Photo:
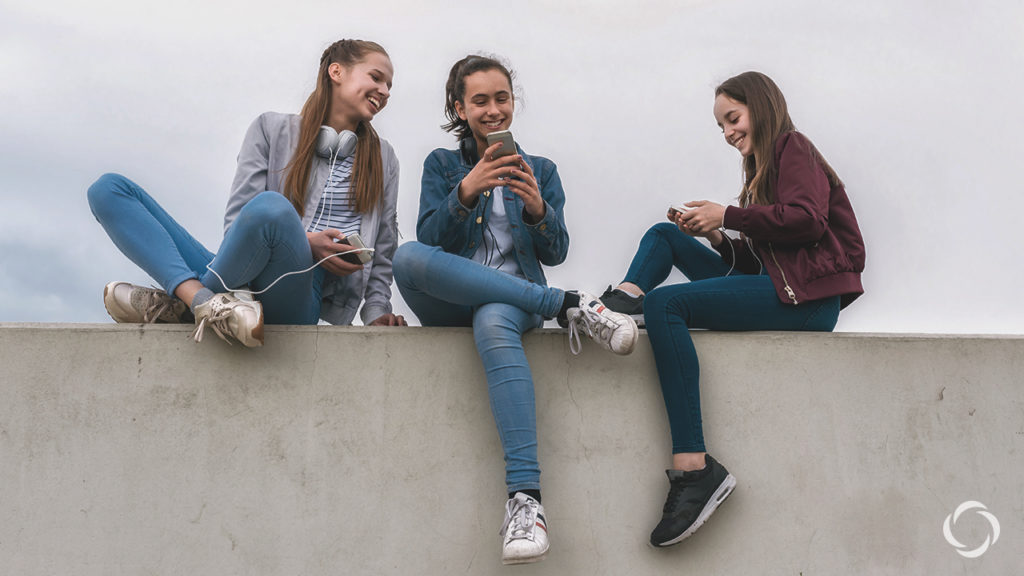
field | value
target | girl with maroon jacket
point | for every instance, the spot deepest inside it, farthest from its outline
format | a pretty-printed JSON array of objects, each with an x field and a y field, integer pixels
[{"x": 796, "y": 263}]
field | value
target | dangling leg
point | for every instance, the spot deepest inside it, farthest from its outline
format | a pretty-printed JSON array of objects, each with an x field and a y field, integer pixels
[
  {"x": 745, "y": 302},
  {"x": 498, "y": 330}
]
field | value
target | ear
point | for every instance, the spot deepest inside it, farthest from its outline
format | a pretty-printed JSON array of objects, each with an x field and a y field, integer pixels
[
  {"x": 460, "y": 110},
  {"x": 336, "y": 71}
]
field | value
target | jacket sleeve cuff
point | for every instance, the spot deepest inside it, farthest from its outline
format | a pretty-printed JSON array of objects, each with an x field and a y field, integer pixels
[
  {"x": 547, "y": 225},
  {"x": 732, "y": 218},
  {"x": 455, "y": 207},
  {"x": 371, "y": 312}
]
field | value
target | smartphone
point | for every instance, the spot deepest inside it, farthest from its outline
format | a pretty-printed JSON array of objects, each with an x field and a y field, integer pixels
[
  {"x": 355, "y": 241},
  {"x": 679, "y": 208},
  {"x": 508, "y": 145}
]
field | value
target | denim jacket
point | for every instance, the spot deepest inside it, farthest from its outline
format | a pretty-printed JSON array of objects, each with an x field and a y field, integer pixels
[
  {"x": 443, "y": 221},
  {"x": 266, "y": 151}
]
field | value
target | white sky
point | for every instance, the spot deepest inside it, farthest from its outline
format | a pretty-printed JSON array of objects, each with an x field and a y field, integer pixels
[{"x": 915, "y": 103}]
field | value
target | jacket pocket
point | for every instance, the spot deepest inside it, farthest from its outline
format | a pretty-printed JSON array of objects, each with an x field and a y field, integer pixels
[{"x": 823, "y": 258}]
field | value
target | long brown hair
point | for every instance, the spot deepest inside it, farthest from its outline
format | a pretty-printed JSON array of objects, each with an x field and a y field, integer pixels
[
  {"x": 367, "y": 180},
  {"x": 769, "y": 119},
  {"x": 455, "y": 90}
]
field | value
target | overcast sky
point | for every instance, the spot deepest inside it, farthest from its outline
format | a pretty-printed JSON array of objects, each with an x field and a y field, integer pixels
[{"x": 916, "y": 104}]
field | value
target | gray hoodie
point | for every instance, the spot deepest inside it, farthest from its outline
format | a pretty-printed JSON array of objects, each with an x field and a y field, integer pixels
[{"x": 266, "y": 150}]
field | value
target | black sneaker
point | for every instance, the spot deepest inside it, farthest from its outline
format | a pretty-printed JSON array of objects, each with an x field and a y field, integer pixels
[
  {"x": 692, "y": 498},
  {"x": 618, "y": 301}
]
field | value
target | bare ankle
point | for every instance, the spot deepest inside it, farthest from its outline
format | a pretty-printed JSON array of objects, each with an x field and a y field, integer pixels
[
  {"x": 630, "y": 288},
  {"x": 688, "y": 461}
]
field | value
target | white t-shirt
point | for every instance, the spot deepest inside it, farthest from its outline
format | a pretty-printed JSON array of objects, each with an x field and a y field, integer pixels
[{"x": 497, "y": 250}]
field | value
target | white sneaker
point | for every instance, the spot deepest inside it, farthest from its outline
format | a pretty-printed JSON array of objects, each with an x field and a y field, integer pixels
[
  {"x": 525, "y": 531},
  {"x": 229, "y": 315},
  {"x": 130, "y": 304},
  {"x": 612, "y": 330}
]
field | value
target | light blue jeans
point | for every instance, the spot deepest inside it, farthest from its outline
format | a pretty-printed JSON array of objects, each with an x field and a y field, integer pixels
[
  {"x": 448, "y": 290},
  {"x": 264, "y": 242}
]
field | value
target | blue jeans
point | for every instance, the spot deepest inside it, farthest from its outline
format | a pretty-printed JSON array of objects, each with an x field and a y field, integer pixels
[
  {"x": 448, "y": 290},
  {"x": 709, "y": 300},
  {"x": 265, "y": 241}
]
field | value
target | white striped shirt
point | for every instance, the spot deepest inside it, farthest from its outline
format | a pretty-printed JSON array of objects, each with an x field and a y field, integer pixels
[{"x": 334, "y": 209}]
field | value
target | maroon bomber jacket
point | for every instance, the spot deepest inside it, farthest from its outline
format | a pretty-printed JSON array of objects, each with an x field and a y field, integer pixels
[{"x": 808, "y": 240}]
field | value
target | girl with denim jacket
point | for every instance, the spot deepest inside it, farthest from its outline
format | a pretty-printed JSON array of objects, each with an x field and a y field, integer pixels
[
  {"x": 796, "y": 263},
  {"x": 303, "y": 184},
  {"x": 486, "y": 223}
]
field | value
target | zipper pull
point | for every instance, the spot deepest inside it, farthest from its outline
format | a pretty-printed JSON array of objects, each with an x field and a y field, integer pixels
[{"x": 791, "y": 294}]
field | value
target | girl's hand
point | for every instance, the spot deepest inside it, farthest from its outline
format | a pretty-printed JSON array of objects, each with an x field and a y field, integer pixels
[
  {"x": 322, "y": 243},
  {"x": 389, "y": 320},
  {"x": 488, "y": 173},
  {"x": 702, "y": 219},
  {"x": 524, "y": 185}
]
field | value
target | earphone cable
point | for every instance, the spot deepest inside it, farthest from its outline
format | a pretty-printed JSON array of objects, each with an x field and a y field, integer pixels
[{"x": 279, "y": 278}]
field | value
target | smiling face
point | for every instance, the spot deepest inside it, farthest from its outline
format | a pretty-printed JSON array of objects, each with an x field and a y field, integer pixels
[
  {"x": 734, "y": 119},
  {"x": 487, "y": 105},
  {"x": 359, "y": 91}
]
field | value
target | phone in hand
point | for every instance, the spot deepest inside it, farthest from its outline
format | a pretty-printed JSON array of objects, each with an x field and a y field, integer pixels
[
  {"x": 508, "y": 144},
  {"x": 678, "y": 208},
  {"x": 361, "y": 257}
]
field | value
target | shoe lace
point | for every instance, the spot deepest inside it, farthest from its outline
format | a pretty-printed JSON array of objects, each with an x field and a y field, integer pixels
[
  {"x": 153, "y": 304},
  {"x": 520, "y": 519},
  {"x": 675, "y": 492},
  {"x": 217, "y": 321},
  {"x": 593, "y": 324}
]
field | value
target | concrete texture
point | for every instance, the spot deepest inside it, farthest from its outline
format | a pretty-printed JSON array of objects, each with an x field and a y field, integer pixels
[{"x": 134, "y": 451}]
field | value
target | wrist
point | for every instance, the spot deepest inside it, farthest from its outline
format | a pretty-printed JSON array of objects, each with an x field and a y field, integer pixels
[
  {"x": 466, "y": 197},
  {"x": 716, "y": 238},
  {"x": 531, "y": 219}
]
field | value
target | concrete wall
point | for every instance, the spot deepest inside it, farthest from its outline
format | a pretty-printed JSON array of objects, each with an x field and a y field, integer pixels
[{"x": 129, "y": 450}]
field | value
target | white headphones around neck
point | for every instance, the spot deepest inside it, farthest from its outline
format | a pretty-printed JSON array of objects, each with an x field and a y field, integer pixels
[{"x": 330, "y": 144}]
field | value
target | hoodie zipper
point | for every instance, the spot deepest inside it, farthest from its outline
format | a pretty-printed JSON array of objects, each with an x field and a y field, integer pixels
[{"x": 789, "y": 291}]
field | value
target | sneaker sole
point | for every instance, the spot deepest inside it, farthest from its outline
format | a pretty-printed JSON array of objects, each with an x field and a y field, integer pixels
[
  {"x": 638, "y": 318},
  {"x": 255, "y": 337},
  {"x": 107, "y": 301},
  {"x": 528, "y": 560},
  {"x": 723, "y": 492},
  {"x": 636, "y": 336}
]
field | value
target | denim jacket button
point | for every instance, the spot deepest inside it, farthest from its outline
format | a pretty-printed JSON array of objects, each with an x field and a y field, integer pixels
[
  {"x": 479, "y": 219},
  {"x": 462, "y": 213},
  {"x": 472, "y": 244},
  {"x": 543, "y": 227}
]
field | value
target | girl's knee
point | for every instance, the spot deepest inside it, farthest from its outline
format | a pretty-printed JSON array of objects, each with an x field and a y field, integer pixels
[
  {"x": 268, "y": 206},
  {"x": 663, "y": 228},
  {"x": 656, "y": 299},
  {"x": 105, "y": 187},
  {"x": 496, "y": 322},
  {"x": 662, "y": 302},
  {"x": 406, "y": 260}
]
